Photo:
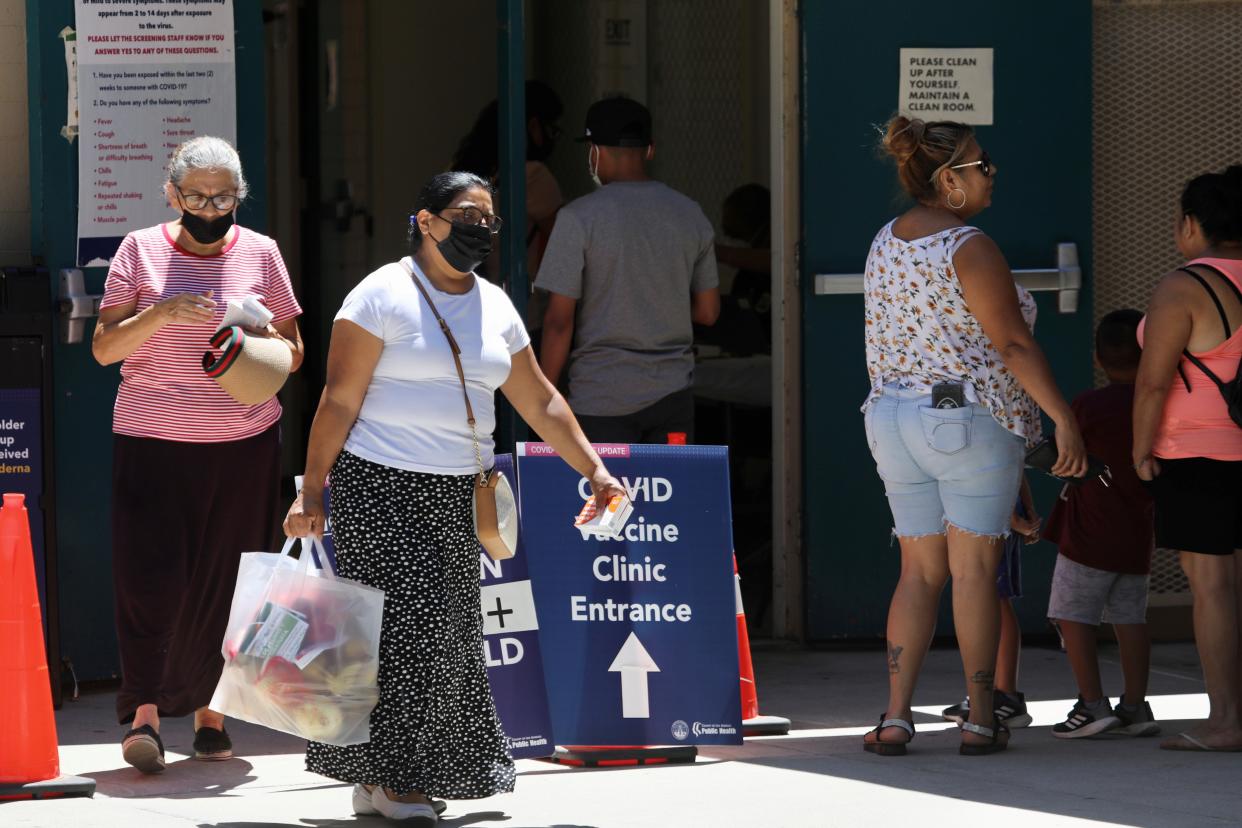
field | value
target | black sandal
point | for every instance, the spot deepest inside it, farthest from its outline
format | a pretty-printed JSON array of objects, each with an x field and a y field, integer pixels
[
  {"x": 993, "y": 733},
  {"x": 889, "y": 748}
]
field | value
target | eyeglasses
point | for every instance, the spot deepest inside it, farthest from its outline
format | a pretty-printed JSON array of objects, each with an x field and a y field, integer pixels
[
  {"x": 473, "y": 215},
  {"x": 984, "y": 163},
  {"x": 197, "y": 201}
]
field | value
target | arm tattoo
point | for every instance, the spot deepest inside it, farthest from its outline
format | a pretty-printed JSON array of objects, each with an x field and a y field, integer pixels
[{"x": 894, "y": 653}]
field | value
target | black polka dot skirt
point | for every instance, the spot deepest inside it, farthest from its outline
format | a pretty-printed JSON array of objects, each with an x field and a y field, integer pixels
[{"x": 435, "y": 729}]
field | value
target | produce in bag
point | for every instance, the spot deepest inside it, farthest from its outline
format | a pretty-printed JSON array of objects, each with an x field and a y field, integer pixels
[{"x": 301, "y": 652}]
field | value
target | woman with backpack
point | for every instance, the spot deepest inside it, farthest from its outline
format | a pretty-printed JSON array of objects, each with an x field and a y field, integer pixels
[{"x": 1188, "y": 436}]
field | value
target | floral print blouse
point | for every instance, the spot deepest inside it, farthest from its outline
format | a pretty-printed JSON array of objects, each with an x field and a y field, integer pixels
[{"x": 919, "y": 330}]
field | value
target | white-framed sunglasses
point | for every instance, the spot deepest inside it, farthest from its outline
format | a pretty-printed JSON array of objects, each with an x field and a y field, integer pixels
[{"x": 984, "y": 164}]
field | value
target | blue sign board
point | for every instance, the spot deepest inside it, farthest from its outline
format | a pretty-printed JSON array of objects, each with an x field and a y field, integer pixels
[
  {"x": 511, "y": 646},
  {"x": 510, "y": 641},
  {"x": 639, "y": 634}
]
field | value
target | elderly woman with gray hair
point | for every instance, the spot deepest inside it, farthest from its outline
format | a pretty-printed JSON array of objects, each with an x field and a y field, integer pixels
[{"x": 196, "y": 474}]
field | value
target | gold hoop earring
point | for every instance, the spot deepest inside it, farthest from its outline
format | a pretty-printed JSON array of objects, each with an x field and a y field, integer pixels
[{"x": 948, "y": 199}]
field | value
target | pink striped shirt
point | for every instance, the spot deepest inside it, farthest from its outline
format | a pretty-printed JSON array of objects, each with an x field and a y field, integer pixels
[{"x": 164, "y": 392}]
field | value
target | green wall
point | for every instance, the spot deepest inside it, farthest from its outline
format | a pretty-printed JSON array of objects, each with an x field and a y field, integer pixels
[
  {"x": 84, "y": 391},
  {"x": 1041, "y": 141}
]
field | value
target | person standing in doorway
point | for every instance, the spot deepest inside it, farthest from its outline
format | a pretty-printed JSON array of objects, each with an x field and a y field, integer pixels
[
  {"x": 629, "y": 269},
  {"x": 195, "y": 474},
  {"x": 956, "y": 376}
]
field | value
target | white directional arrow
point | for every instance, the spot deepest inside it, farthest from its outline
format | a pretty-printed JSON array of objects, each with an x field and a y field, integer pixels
[{"x": 633, "y": 662}]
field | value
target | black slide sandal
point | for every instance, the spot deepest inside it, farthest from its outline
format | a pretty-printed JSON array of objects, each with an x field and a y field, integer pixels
[
  {"x": 890, "y": 748},
  {"x": 986, "y": 748}
]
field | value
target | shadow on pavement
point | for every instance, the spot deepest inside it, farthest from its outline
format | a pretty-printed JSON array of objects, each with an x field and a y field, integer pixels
[
  {"x": 210, "y": 779},
  {"x": 1112, "y": 779},
  {"x": 358, "y": 822}
]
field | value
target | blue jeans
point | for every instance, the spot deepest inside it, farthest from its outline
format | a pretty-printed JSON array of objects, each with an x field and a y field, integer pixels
[{"x": 955, "y": 466}]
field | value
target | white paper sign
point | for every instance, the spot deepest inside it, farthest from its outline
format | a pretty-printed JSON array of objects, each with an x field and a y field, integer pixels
[
  {"x": 946, "y": 85},
  {"x": 151, "y": 74},
  {"x": 621, "y": 50}
]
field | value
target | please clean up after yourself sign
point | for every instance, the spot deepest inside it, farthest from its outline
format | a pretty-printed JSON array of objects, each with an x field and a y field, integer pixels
[{"x": 946, "y": 85}]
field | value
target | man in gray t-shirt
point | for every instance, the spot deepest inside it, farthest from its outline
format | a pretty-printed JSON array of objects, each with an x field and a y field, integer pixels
[{"x": 628, "y": 268}]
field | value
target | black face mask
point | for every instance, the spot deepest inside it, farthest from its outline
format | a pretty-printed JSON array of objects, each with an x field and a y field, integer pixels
[
  {"x": 466, "y": 246},
  {"x": 204, "y": 231}
]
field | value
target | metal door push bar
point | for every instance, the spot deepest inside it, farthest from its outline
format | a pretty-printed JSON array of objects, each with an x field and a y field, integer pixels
[{"x": 1065, "y": 279}]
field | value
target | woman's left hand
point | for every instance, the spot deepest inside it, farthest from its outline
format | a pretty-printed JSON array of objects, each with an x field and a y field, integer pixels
[
  {"x": 268, "y": 332},
  {"x": 604, "y": 486}
]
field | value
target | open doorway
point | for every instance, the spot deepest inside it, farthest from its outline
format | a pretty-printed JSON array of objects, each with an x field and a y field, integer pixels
[{"x": 367, "y": 100}]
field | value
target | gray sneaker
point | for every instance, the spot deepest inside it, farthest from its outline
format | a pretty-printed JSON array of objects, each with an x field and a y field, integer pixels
[
  {"x": 1081, "y": 722},
  {"x": 1010, "y": 710},
  {"x": 1135, "y": 721}
]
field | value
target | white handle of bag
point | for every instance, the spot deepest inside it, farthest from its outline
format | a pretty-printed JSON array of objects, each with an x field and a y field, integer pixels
[{"x": 310, "y": 542}]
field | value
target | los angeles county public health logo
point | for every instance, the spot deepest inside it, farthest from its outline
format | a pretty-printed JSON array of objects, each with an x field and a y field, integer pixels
[{"x": 680, "y": 730}]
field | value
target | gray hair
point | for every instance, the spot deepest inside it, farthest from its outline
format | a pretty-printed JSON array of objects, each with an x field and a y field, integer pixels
[{"x": 207, "y": 153}]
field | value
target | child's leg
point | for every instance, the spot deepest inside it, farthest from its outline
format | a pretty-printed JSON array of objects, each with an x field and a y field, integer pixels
[
  {"x": 1081, "y": 649},
  {"x": 1010, "y": 649},
  {"x": 1127, "y": 610},
  {"x": 1135, "y": 645}
]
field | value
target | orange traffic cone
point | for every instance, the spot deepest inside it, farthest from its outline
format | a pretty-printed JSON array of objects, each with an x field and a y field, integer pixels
[
  {"x": 29, "y": 762},
  {"x": 752, "y": 723}
]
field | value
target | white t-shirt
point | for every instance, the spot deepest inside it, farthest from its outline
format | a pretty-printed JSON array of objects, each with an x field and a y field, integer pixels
[{"x": 413, "y": 416}]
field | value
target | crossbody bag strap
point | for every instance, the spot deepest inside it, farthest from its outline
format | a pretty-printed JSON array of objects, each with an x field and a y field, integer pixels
[
  {"x": 456, "y": 350},
  {"x": 1224, "y": 321},
  {"x": 1224, "y": 318}
]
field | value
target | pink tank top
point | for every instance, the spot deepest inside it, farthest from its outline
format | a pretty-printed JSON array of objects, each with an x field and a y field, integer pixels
[{"x": 1196, "y": 423}]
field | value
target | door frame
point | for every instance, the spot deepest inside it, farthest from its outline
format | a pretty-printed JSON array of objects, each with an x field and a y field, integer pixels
[{"x": 785, "y": 119}]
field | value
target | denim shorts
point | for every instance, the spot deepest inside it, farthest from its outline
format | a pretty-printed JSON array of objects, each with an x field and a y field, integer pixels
[{"x": 956, "y": 465}]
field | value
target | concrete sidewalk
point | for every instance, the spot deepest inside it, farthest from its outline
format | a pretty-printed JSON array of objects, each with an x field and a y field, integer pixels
[{"x": 816, "y": 776}]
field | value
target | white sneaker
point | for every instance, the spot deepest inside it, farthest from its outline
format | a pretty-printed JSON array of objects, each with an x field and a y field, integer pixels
[
  {"x": 415, "y": 814},
  {"x": 362, "y": 802},
  {"x": 364, "y": 807}
]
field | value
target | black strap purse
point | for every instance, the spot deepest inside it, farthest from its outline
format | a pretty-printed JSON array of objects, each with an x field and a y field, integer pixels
[{"x": 1231, "y": 390}]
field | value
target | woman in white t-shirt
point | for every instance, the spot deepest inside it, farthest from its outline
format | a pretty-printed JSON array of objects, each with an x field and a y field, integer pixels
[{"x": 392, "y": 428}]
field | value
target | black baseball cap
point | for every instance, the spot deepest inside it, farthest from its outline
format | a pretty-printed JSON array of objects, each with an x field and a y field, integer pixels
[{"x": 618, "y": 122}]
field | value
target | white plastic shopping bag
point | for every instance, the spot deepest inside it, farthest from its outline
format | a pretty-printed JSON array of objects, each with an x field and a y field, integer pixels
[{"x": 301, "y": 652}]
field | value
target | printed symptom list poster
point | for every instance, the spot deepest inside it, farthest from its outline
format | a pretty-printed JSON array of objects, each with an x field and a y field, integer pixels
[{"x": 151, "y": 74}]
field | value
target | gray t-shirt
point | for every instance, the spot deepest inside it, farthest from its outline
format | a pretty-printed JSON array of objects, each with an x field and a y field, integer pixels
[{"x": 631, "y": 253}]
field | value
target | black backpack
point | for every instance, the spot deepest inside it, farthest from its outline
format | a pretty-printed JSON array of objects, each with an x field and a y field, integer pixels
[{"x": 1232, "y": 390}]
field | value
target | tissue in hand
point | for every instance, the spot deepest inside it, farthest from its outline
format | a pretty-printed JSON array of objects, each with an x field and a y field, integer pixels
[{"x": 250, "y": 312}]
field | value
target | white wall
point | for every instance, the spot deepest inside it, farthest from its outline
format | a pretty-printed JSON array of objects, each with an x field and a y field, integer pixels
[{"x": 14, "y": 137}]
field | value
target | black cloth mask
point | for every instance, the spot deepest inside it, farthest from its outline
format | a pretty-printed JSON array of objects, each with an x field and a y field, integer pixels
[
  {"x": 466, "y": 246},
  {"x": 204, "y": 231}
]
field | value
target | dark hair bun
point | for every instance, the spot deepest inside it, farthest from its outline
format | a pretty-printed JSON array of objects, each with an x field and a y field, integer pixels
[
  {"x": 903, "y": 137},
  {"x": 920, "y": 148}
]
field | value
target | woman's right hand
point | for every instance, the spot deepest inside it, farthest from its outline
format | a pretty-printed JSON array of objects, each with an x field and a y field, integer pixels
[
  {"x": 1071, "y": 451},
  {"x": 187, "y": 309},
  {"x": 305, "y": 517}
]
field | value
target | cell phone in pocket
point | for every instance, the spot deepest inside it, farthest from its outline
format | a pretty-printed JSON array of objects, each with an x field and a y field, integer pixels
[{"x": 948, "y": 395}]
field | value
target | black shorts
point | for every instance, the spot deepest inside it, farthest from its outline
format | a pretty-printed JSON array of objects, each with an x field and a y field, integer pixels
[{"x": 1199, "y": 505}]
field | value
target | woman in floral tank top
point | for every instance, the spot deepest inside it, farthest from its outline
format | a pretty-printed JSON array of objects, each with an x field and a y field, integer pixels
[{"x": 944, "y": 315}]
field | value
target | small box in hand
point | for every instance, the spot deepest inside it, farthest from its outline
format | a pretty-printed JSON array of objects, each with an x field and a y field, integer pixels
[{"x": 606, "y": 524}]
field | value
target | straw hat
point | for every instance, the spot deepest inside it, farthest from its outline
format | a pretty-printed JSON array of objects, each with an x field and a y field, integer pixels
[{"x": 250, "y": 368}]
